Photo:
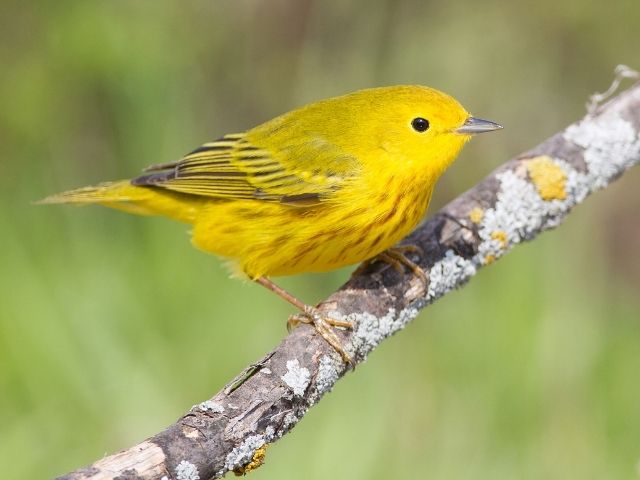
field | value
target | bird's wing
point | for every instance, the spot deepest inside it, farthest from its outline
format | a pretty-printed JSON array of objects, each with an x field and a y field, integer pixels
[{"x": 233, "y": 167}]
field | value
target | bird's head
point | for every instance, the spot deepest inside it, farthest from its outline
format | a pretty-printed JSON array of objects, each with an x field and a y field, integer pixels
[{"x": 416, "y": 127}]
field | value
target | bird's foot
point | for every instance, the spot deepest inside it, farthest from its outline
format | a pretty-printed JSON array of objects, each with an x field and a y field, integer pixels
[
  {"x": 322, "y": 324},
  {"x": 396, "y": 258},
  {"x": 311, "y": 316}
]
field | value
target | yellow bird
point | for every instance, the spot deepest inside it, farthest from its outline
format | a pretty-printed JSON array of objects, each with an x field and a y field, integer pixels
[{"x": 330, "y": 184}]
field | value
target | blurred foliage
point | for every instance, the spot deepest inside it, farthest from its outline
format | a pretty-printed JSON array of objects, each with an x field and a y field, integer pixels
[{"x": 111, "y": 325}]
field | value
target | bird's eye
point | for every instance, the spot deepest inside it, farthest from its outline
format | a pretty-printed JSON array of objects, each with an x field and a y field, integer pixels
[{"x": 420, "y": 124}]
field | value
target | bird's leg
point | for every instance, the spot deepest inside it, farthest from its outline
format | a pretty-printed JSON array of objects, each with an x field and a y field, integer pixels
[
  {"x": 312, "y": 316},
  {"x": 395, "y": 257}
]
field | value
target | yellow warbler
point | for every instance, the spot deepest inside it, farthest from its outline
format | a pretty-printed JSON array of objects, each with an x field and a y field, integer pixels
[{"x": 330, "y": 184}]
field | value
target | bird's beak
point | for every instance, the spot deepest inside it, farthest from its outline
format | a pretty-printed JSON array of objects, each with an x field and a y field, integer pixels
[{"x": 475, "y": 125}]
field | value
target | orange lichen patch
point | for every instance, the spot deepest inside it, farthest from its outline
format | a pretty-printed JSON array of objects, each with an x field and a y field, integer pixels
[
  {"x": 548, "y": 178},
  {"x": 476, "y": 214},
  {"x": 256, "y": 461},
  {"x": 500, "y": 236},
  {"x": 489, "y": 259}
]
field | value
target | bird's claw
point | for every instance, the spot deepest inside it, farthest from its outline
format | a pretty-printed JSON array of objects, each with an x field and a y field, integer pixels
[
  {"x": 396, "y": 258},
  {"x": 322, "y": 325}
]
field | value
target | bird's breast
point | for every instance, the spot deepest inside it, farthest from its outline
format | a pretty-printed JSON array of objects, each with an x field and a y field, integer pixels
[
  {"x": 358, "y": 230},
  {"x": 397, "y": 212}
]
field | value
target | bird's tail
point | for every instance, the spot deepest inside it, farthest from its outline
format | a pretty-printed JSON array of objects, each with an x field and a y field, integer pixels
[{"x": 122, "y": 195}]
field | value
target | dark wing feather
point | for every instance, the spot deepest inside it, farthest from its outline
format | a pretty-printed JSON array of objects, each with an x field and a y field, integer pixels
[{"x": 233, "y": 168}]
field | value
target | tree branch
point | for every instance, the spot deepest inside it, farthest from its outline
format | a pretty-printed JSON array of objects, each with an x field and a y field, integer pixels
[{"x": 522, "y": 198}]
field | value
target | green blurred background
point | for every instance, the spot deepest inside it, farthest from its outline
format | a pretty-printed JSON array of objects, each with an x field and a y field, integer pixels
[{"x": 112, "y": 325}]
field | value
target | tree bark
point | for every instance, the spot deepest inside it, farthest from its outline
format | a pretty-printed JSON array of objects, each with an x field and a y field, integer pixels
[{"x": 525, "y": 196}]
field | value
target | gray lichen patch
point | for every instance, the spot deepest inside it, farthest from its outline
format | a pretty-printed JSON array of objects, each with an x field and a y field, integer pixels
[
  {"x": 269, "y": 433},
  {"x": 328, "y": 374},
  {"x": 297, "y": 378},
  {"x": 448, "y": 273},
  {"x": 209, "y": 406},
  {"x": 370, "y": 330},
  {"x": 243, "y": 454},
  {"x": 610, "y": 144},
  {"x": 518, "y": 214},
  {"x": 290, "y": 419},
  {"x": 187, "y": 471}
]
